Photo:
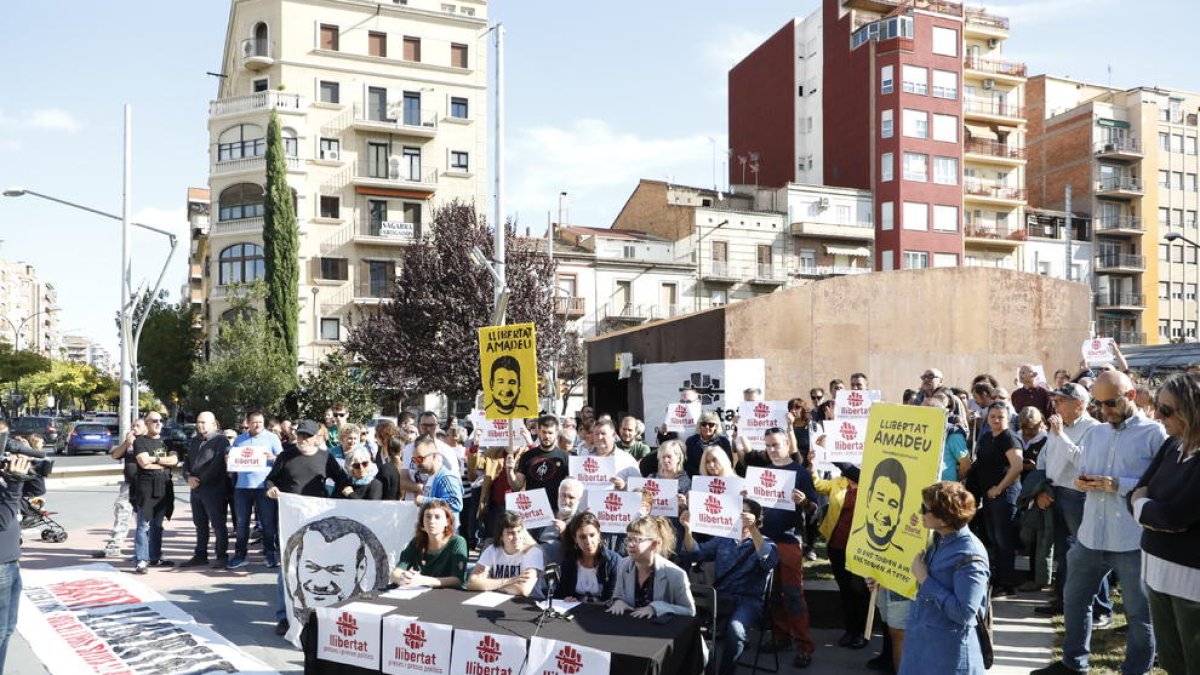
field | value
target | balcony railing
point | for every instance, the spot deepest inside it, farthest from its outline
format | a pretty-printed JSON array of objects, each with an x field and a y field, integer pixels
[
  {"x": 996, "y": 66},
  {"x": 1124, "y": 337},
  {"x": 570, "y": 306},
  {"x": 398, "y": 174},
  {"x": 982, "y": 146},
  {"x": 981, "y": 17},
  {"x": 379, "y": 289},
  {"x": 1113, "y": 147},
  {"x": 1120, "y": 300},
  {"x": 626, "y": 311},
  {"x": 262, "y": 100},
  {"x": 1118, "y": 223},
  {"x": 829, "y": 270},
  {"x": 425, "y": 122},
  {"x": 258, "y": 163},
  {"x": 722, "y": 270},
  {"x": 1119, "y": 184},
  {"x": 239, "y": 226},
  {"x": 659, "y": 312},
  {"x": 769, "y": 274},
  {"x": 259, "y": 48},
  {"x": 986, "y": 231},
  {"x": 993, "y": 190},
  {"x": 1121, "y": 260},
  {"x": 998, "y": 108}
]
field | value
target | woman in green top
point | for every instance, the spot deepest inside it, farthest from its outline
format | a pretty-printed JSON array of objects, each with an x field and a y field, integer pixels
[{"x": 435, "y": 557}]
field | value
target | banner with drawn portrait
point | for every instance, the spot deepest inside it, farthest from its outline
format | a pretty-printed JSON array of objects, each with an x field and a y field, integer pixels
[
  {"x": 508, "y": 371},
  {"x": 336, "y": 549}
]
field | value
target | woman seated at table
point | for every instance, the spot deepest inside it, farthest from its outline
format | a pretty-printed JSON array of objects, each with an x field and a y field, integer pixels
[
  {"x": 589, "y": 568},
  {"x": 647, "y": 582},
  {"x": 435, "y": 556},
  {"x": 512, "y": 564}
]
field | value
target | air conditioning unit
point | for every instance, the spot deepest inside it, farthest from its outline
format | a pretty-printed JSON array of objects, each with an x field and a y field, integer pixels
[
  {"x": 989, "y": 84},
  {"x": 993, "y": 43},
  {"x": 331, "y": 155},
  {"x": 823, "y": 203},
  {"x": 394, "y": 164}
]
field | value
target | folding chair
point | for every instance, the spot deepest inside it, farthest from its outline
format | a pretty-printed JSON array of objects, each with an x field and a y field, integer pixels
[
  {"x": 764, "y": 625},
  {"x": 705, "y": 597}
]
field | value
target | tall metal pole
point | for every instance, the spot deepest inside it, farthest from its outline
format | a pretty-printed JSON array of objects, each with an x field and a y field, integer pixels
[
  {"x": 498, "y": 217},
  {"x": 126, "y": 218}
]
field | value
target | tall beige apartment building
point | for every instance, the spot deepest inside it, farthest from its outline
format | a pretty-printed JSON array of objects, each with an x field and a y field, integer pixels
[
  {"x": 28, "y": 310},
  {"x": 382, "y": 105}
]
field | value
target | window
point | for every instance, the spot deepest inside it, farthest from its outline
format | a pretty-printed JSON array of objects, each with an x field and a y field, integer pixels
[
  {"x": 412, "y": 109},
  {"x": 885, "y": 261},
  {"x": 1189, "y": 218},
  {"x": 240, "y": 264},
  {"x": 412, "y": 49},
  {"x": 1164, "y": 141},
  {"x": 916, "y": 80},
  {"x": 329, "y": 92},
  {"x": 377, "y": 105},
  {"x": 885, "y": 124},
  {"x": 916, "y": 260},
  {"x": 916, "y": 216},
  {"x": 329, "y": 37},
  {"x": 458, "y": 161},
  {"x": 1164, "y": 327},
  {"x": 945, "y": 218},
  {"x": 243, "y": 140},
  {"x": 380, "y": 276},
  {"x": 765, "y": 259},
  {"x": 945, "y": 260},
  {"x": 1177, "y": 180},
  {"x": 331, "y": 206},
  {"x": 377, "y": 44},
  {"x": 1164, "y": 216},
  {"x": 244, "y": 200},
  {"x": 1164, "y": 253},
  {"x": 1191, "y": 182},
  {"x": 377, "y": 159},
  {"x": 331, "y": 328},
  {"x": 887, "y": 80},
  {"x": 458, "y": 56},
  {"x": 886, "y": 215},
  {"x": 1177, "y": 290},
  {"x": 916, "y": 166},
  {"x": 885, "y": 167},
  {"x": 945, "y": 170},
  {"x": 261, "y": 85},
  {"x": 330, "y": 149},
  {"x": 1164, "y": 178},
  {"x": 290, "y": 145},
  {"x": 945, "y": 41},
  {"x": 1164, "y": 290},
  {"x": 719, "y": 298},
  {"x": 335, "y": 269},
  {"x": 945, "y": 128},
  {"x": 1177, "y": 143},
  {"x": 1189, "y": 291},
  {"x": 1190, "y": 146},
  {"x": 808, "y": 258},
  {"x": 458, "y": 107},
  {"x": 1177, "y": 219},
  {"x": 945, "y": 84},
  {"x": 412, "y": 163},
  {"x": 412, "y": 215},
  {"x": 916, "y": 123}
]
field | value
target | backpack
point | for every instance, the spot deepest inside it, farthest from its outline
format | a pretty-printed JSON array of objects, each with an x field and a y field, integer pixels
[{"x": 983, "y": 618}]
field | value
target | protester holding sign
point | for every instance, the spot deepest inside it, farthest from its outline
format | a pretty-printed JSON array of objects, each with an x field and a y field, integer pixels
[
  {"x": 604, "y": 445},
  {"x": 647, "y": 583},
  {"x": 512, "y": 564},
  {"x": 707, "y": 436},
  {"x": 670, "y": 467},
  {"x": 435, "y": 556},
  {"x": 997, "y": 474},
  {"x": 544, "y": 465},
  {"x": 589, "y": 569},
  {"x": 835, "y": 528},
  {"x": 250, "y": 492}
]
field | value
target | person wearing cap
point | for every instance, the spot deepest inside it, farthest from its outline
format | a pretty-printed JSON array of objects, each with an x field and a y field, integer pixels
[{"x": 931, "y": 379}]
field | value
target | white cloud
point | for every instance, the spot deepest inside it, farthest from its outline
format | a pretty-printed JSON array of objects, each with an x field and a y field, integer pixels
[
  {"x": 9, "y": 145},
  {"x": 45, "y": 119}
]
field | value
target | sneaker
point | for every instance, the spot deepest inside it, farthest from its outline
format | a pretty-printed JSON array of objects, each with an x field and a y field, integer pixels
[
  {"x": 281, "y": 628},
  {"x": 255, "y": 536},
  {"x": 272, "y": 561},
  {"x": 142, "y": 567},
  {"x": 810, "y": 555},
  {"x": 221, "y": 562},
  {"x": 1056, "y": 668},
  {"x": 237, "y": 562},
  {"x": 195, "y": 561},
  {"x": 802, "y": 660},
  {"x": 107, "y": 553},
  {"x": 1102, "y": 622},
  {"x": 162, "y": 563},
  {"x": 853, "y": 642}
]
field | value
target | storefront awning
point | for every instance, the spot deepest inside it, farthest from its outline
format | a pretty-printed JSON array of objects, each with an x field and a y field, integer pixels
[{"x": 856, "y": 251}]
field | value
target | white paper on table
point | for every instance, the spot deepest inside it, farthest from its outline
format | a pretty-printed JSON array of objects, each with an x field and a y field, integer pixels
[
  {"x": 366, "y": 608},
  {"x": 404, "y": 592},
  {"x": 488, "y": 599},
  {"x": 560, "y": 606}
]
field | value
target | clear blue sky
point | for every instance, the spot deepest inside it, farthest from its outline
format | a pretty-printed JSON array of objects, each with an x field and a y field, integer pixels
[{"x": 599, "y": 95}]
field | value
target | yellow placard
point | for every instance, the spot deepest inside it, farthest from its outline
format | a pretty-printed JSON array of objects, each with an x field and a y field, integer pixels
[
  {"x": 902, "y": 456},
  {"x": 508, "y": 370}
]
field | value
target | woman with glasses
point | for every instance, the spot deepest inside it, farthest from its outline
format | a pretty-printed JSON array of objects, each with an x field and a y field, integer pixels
[
  {"x": 364, "y": 481},
  {"x": 589, "y": 568},
  {"x": 708, "y": 435},
  {"x": 647, "y": 584},
  {"x": 1166, "y": 503},
  {"x": 997, "y": 474},
  {"x": 952, "y": 578},
  {"x": 435, "y": 556}
]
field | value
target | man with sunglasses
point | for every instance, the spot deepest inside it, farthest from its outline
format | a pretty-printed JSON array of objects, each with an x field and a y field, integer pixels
[
  {"x": 931, "y": 379},
  {"x": 1115, "y": 455},
  {"x": 152, "y": 495}
]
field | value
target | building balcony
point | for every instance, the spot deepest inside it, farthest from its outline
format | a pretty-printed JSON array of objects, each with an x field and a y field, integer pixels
[
  {"x": 819, "y": 271},
  {"x": 251, "y": 165},
  {"x": 258, "y": 54},
  {"x": 993, "y": 111},
  {"x": 999, "y": 69},
  {"x": 660, "y": 312},
  {"x": 983, "y": 150},
  {"x": 1119, "y": 225},
  {"x": 396, "y": 176},
  {"x": 823, "y": 230},
  {"x": 1120, "y": 263},
  {"x": 1124, "y": 337},
  {"x": 627, "y": 312},
  {"x": 195, "y": 271},
  {"x": 992, "y": 192},
  {"x": 418, "y": 125},
  {"x": 993, "y": 235},
  {"x": 373, "y": 292},
  {"x": 981, "y": 23},
  {"x": 1127, "y": 150},
  {"x": 1124, "y": 301},
  {"x": 239, "y": 226},
  {"x": 888, "y": 6},
  {"x": 570, "y": 307},
  {"x": 721, "y": 272},
  {"x": 262, "y": 100},
  {"x": 1119, "y": 186},
  {"x": 769, "y": 275},
  {"x": 372, "y": 231}
]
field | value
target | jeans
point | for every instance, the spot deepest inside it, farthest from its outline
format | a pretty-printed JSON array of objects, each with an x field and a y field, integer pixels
[
  {"x": 122, "y": 515},
  {"x": 1000, "y": 515},
  {"x": 1088, "y": 569},
  {"x": 10, "y": 602},
  {"x": 745, "y": 615},
  {"x": 243, "y": 500},
  {"x": 281, "y": 605},
  {"x": 1068, "y": 515},
  {"x": 208, "y": 508},
  {"x": 147, "y": 540},
  {"x": 1176, "y": 631}
]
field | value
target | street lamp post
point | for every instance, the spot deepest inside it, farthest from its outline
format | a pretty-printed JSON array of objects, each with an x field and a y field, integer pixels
[
  {"x": 17, "y": 328},
  {"x": 1178, "y": 236}
]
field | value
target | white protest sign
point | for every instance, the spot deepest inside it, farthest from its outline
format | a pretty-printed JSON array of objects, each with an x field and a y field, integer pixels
[
  {"x": 477, "y": 653},
  {"x": 247, "y": 458},
  {"x": 551, "y": 657},
  {"x": 593, "y": 471},
  {"x": 717, "y": 515},
  {"x": 755, "y": 417},
  {"x": 772, "y": 488},
  {"x": 1097, "y": 351},
  {"x": 717, "y": 485},
  {"x": 494, "y": 433},
  {"x": 412, "y": 647},
  {"x": 532, "y": 505},
  {"x": 680, "y": 418},
  {"x": 350, "y": 634},
  {"x": 616, "y": 509},
  {"x": 664, "y": 494},
  {"x": 847, "y": 431}
]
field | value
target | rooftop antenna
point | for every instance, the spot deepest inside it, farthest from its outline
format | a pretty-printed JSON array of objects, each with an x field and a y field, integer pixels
[{"x": 1110, "y": 75}]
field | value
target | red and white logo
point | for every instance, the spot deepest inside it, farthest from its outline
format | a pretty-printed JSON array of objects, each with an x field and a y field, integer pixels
[
  {"x": 1095, "y": 344},
  {"x": 612, "y": 502},
  {"x": 651, "y": 488},
  {"x": 247, "y": 453},
  {"x": 590, "y": 465},
  {"x": 569, "y": 660},
  {"x": 681, "y": 411},
  {"x": 855, "y": 399},
  {"x": 414, "y": 637},
  {"x": 762, "y": 410},
  {"x": 524, "y": 502},
  {"x": 712, "y": 505},
  {"x": 346, "y": 624},
  {"x": 716, "y": 486},
  {"x": 488, "y": 649},
  {"x": 768, "y": 479},
  {"x": 848, "y": 431}
]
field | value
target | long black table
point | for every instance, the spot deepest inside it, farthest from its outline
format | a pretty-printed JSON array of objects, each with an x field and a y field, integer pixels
[{"x": 638, "y": 646}]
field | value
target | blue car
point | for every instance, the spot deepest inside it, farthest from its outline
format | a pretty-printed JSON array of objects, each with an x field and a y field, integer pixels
[{"x": 89, "y": 437}]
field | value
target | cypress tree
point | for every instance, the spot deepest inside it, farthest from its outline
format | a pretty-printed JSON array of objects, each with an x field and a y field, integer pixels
[{"x": 281, "y": 245}]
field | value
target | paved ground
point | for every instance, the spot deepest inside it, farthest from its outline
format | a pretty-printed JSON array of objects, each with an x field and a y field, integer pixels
[{"x": 237, "y": 604}]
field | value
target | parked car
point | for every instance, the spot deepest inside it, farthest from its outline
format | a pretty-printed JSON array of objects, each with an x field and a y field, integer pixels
[
  {"x": 48, "y": 427},
  {"x": 90, "y": 437}
]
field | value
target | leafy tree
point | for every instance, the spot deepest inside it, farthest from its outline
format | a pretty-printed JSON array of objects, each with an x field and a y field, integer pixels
[
  {"x": 17, "y": 365},
  {"x": 281, "y": 245},
  {"x": 65, "y": 380},
  {"x": 167, "y": 351},
  {"x": 337, "y": 380},
  {"x": 104, "y": 391},
  {"x": 424, "y": 340},
  {"x": 572, "y": 368}
]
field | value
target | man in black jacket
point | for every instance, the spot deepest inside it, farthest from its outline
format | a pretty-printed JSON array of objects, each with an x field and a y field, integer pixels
[
  {"x": 205, "y": 471},
  {"x": 15, "y": 473}
]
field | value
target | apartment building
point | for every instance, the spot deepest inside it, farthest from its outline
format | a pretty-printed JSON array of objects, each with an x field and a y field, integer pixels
[
  {"x": 1052, "y": 249},
  {"x": 196, "y": 289},
  {"x": 80, "y": 349},
  {"x": 926, "y": 114},
  {"x": 29, "y": 308},
  {"x": 382, "y": 105},
  {"x": 1130, "y": 159}
]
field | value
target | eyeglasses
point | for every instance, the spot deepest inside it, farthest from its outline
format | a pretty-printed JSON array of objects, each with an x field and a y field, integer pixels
[
  {"x": 1165, "y": 411},
  {"x": 1108, "y": 402},
  {"x": 929, "y": 376},
  {"x": 341, "y": 414},
  {"x": 708, "y": 424},
  {"x": 635, "y": 539},
  {"x": 360, "y": 465}
]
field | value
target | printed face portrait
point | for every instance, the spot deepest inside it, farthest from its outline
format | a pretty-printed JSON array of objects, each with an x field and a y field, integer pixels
[
  {"x": 883, "y": 510},
  {"x": 506, "y": 389},
  {"x": 332, "y": 571}
]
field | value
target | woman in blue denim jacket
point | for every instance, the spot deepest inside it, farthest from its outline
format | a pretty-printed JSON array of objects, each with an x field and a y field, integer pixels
[{"x": 953, "y": 577}]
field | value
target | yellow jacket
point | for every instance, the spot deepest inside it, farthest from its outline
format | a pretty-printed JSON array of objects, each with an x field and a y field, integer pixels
[{"x": 835, "y": 489}]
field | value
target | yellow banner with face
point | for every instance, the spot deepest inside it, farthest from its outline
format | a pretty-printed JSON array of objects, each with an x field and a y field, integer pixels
[{"x": 508, "y": 370}]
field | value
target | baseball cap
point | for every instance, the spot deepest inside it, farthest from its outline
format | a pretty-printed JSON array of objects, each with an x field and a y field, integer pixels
[
  {"x": 307, "y": 428},
  {"x": 1073, "y": 390}
]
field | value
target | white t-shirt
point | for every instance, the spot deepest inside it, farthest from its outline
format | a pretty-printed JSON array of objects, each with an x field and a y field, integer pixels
[
  {"x": 586, "y": 583},
  {"x": 501, "y": 565}
]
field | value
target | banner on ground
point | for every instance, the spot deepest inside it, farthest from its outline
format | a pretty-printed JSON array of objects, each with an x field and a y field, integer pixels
[
  {"x": 615, "y": 509},
  {"x": 903, "y": 455},
  {"x": 351, "y": 634},
  {"x": 771, "y": 488},
  {"x": 333, "y": 550},
  {"x": 716, "y": 515},
  {"x": 718, "y": 383},
  {"x": 755, "y": 417},
  {"x": 477, "y": 653},
  {"x": 681, "y": 418},
  {"x": 844, "y": 434},
  {"x": 663, "y": 493},
  {"x": 508, "y": 371},
  {"x": 533, "y": 506},
  {"x": 96, "y": 619},
  {"x": 247, "y": 458},
  {"x": 495, "y": 433},
  {"x": 551, "y": 657},
  {"x": 593, "y": 471},
  {"x": 1098, "y": 351},
  {"x": 718, "y": 485},
  {"x": 412, "y": 647}
]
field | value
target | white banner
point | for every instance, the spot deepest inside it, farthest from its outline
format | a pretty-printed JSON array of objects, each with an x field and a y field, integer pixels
[
  {"x": 96, "y": 619},
  {"x": 1097, "y": 351},
  {"x": 412, "y": 647},
  {"x": 664, "y": 494},
  {"x": 846, "y": 433},
  {"x": 494, "y": 433},
  {"x": 771, "y": 488},
  {"x": 755, "y": 417},
  {"x": 350, "y": 634},
  {"x": 551, "y": 657},
  {"x": 718, "y": 383},
  {"x": 717, "y": 515},
  {"x": 478, "y": 653},
  {"x": 532, "y": 505},
  {"x": 718, "y": 485},
  {"x": 247, "y": 458},
  {"x": 616, "y": 509},
  {"x": 680, "y": 418},
  {"x": 336, "y": 549},
  {"x": 594, "y": 472}
]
